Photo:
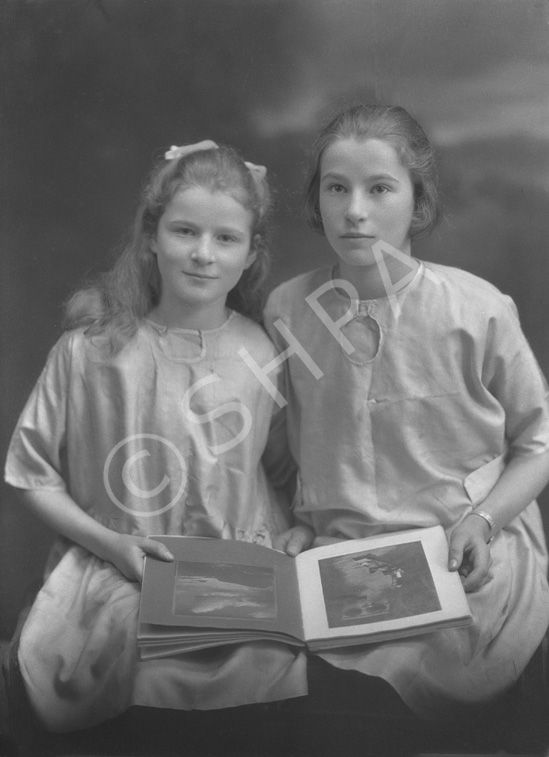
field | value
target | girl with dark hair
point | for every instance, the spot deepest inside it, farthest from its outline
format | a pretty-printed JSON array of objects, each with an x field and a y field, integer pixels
[
  {"x": 145, "y": 421},
  {"x": 420, "y": 404}
]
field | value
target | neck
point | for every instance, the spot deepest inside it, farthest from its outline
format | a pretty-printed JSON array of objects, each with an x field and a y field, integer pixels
[
  {"x": 193, "y": 318},
  {"x": 375, "y": 281}
]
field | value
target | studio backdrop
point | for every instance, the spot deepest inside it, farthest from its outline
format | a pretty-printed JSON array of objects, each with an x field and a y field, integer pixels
[{"x": 94, "y": 90}]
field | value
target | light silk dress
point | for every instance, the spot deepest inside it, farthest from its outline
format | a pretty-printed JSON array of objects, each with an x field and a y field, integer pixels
[
  {"x": 408, "y": 427},
  {"x": 145, "y": 443}
]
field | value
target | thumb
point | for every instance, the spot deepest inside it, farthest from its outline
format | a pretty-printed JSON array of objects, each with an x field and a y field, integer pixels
[
  {"x": 298, "y": 541},
  {"x": 455, "y": 554},
  {"x": 279, "y": 542},
  {"x": 156, "y": 549}
]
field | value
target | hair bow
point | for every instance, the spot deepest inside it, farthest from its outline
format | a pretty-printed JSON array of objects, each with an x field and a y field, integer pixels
[
  {"x": 261, "y": 171},
  {"x": 175, "y": 152}
]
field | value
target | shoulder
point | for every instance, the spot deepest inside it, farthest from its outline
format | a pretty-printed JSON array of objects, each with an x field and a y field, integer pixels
[
  {"x": 459, "y": 281},
  {"x": 292, "y": 293},
  {"x": 69, "y": 342},
  {"x": 79, "y": 346},
  {"x": 58, "y": 366},
  {"x": 251, "y": 336},
  {"x": 458, "y": 287}
]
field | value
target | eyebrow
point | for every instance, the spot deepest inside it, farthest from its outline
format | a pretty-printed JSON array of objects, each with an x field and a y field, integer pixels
[
  {"x": 375, "y": 177},
  {"x": 384, "y": 177},
  {"x": 181, "y": 221}
]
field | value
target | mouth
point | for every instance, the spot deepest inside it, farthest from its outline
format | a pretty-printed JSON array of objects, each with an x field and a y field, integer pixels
[
  {"x": 356, "y": 235},
  {"x": 199, "y": 276}
]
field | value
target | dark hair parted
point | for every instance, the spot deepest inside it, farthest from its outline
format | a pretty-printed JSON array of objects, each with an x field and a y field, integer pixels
[
  {"x": 123, "y": 296},
  {"x": 396, "y": 126}
]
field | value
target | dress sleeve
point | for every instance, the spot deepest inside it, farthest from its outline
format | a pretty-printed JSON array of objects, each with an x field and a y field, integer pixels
[
  {"x": 270, "y": 315},
  {"x": 36, "y": 451},
  {"x": 512, "y": 374},
  {"x": 277, "y": 459}
]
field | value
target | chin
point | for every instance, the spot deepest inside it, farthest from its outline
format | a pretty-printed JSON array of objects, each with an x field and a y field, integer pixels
[{"x": 361, "y": 258}]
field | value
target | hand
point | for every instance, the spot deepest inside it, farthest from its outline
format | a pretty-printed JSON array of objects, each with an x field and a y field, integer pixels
[
  {"x": 294, "y": 540},
  {"x": 469, "y": 552},
  {"x": 127, "y": 552}
]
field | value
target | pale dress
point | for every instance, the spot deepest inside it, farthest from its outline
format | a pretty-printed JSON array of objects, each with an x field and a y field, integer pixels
[
  {"x": 411, "y": 427},
  {"x": 166, "y": 437}
]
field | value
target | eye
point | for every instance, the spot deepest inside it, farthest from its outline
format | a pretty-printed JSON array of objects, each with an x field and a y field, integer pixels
[
  {"x": 227, "y": 239},
  {"x": 336, "y": 188},
  {"x": 184, "y": 231},
  {"x": 379, "y": 189}
]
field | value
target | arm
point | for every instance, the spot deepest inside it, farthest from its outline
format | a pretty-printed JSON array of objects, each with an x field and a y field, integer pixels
[
  {"x": 61, "y": 513},
  {"x": 512, "y": 375},
  {"x": 520, "y": 483},
  {"x": 34, "y": 465}
]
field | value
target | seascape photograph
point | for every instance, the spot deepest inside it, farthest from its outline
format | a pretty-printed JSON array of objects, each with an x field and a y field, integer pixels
[{"x": 224, "y": 591}]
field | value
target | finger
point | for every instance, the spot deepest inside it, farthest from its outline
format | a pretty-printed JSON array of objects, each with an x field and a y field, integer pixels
[
  {"x": 136, "y": 568},
  {"x": 464, "y": 570},
  {"x": 156, "y": 549},
  {"x": 280, "y": 541},
  {"x": 474, "y": 580},
  {"x": 481, "y": 561},
  {"x": 455, "y": 553},
  {"x": 132, "y": 564},
  {"x": 455, "y": 558},
  {"x": 298, "y": 541}
]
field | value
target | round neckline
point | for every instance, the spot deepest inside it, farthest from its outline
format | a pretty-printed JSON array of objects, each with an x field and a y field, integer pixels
[
  {"x": 162, "y": 329},
  {"x": 383, "y": 298}
]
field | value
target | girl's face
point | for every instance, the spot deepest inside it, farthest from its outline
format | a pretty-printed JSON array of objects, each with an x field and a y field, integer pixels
[
  {"x": 202, "y": 246},
  {"x": 366, "y": 195}
]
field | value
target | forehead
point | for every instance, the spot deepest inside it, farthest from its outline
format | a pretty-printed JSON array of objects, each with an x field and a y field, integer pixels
[
  {"x": 369, "y": 157},
  {"x": 206, "y": 206}
]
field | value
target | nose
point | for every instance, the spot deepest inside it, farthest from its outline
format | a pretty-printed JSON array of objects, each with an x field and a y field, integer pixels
[
  {"x": 203, "y": 251},
  {"x": 357, "y": 208}
]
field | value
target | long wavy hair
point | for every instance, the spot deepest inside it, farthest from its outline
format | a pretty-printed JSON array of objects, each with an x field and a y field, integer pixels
[
  {"x": 396, "y": 126},
  {"x": 119, "y": 299}
]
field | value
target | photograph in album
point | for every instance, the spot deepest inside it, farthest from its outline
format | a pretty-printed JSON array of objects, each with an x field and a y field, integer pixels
[
  {"x": 389, "y": 583},
  {"x": 359, "y": 591},
  {"x": 224, "y": 590}
]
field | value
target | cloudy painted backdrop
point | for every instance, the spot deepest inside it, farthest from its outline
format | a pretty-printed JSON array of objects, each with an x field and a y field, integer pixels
[{"x": 93, "y": 90}]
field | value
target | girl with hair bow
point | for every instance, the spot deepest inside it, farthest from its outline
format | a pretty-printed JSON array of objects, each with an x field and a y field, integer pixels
[{"x": 141, "y": 423}]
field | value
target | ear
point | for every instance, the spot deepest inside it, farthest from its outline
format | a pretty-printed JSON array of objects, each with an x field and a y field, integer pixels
[
  {"x": 153, "y": 247},
  {"x": 252, "y": 253}
]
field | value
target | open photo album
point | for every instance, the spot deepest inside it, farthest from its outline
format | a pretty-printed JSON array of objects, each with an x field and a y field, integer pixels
[{"x": 359, "y": 591}]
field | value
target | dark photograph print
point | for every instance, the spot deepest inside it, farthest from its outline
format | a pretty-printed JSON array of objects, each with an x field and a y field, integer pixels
[
  {"x": 382, "y": 584},
  {"x": 224, "y": 591}
]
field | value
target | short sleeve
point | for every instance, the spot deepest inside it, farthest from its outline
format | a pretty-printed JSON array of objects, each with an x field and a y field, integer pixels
[
  {"x": 278, "y": 462},
  {"x": 36, "y": 451},
  {"x": 512, "y": 374},
  {"x": 270, "y": 315},
  {"x": 277, "y": 458}
]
